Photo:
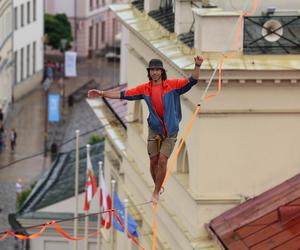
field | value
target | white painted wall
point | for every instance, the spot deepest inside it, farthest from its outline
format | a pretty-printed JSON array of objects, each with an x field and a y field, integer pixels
[
  {"x": 27, "y": 35},
  {"x": 124, "y": 55},
  {"x": 184, "y": 16},
  {"x": 151, "y": 5},
  {"x": 6, "y": 55}
]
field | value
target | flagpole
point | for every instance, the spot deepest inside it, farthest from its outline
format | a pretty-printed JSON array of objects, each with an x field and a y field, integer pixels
[
  {"x": 86, "y": 224},
  {"x": 113, "y": 184},
  {"x": 125, "y": 224},
  {"x": 99, "y": 215},
  {"x": 76, "y": 190}
]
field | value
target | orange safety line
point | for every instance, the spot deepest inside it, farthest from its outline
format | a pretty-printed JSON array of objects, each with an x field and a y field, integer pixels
[
  {"x": 33, "y": 236},
  {"x": 154, "y": 227},
  {"x": 174, "y": 158},
  {"x": 127, "y": 231},
  {"x": 67, "y": 236},
  {"x": 4, "y": 236},
  {"x": 236, "y": 46},
  {"x": 170, "y": 166}
]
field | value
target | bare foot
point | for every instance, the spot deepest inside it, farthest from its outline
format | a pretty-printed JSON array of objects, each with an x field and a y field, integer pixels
[{"x": 155, "y": 198}]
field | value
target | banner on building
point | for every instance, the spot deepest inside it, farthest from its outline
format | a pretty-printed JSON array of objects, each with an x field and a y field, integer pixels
[
  {"x": 70, "y": 63},
  {"x": 53, "y": 107}
]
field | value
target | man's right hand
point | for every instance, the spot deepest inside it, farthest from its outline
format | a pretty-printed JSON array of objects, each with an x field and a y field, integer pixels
[{"x": 95, "y": 93}]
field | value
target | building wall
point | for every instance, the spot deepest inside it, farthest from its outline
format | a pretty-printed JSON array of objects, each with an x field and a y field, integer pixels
[
  {"x": 96, "y": 25},
  {"x": 242, "y": 144},
  {"x": 28, "y": 45},
  {"x": 58, "y": 243},
  {"x": 6, "y": 54}
]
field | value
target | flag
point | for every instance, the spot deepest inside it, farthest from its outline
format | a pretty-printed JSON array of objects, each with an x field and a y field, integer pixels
[
  {"x": 90, "y": 184},
  {"x": 131, "y": 223},
  {"x": 105, "y": 203}
]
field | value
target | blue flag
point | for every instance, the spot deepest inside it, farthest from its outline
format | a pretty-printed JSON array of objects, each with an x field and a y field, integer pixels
[
  {"x": 53, "y": 108},
  {"x": 132, "y": 225}
]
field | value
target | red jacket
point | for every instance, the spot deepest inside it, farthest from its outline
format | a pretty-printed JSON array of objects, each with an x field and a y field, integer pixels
[{"x": 172, "y": 89}]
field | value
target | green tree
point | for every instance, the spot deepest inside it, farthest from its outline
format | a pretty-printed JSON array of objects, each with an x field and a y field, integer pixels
[
  {"x": 95, "y": 138},
  {"x": 57, "y": 28}
]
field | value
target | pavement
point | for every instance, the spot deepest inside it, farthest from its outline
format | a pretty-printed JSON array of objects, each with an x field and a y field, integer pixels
[{"x": 27, "y": 116}]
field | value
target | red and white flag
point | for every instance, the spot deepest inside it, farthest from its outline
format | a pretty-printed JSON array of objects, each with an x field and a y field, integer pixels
[
  {"x": 105, "y": 203},
  {"x": 90, "y": 184}
]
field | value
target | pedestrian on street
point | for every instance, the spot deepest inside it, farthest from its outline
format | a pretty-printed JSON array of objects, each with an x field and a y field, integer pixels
[
  {"x": 13, "y": 139},
  {"x": 19, "y": 186},
  {"x": 1, "y": 116},
  {"x": 2, "y": 133},
  {"x": 2, "y": 138},
  {"x": 162, "y": 97}
]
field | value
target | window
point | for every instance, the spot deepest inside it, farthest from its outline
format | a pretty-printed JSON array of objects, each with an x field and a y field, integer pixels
[
  {"x": 16, "y": 17},
  {"x": 138, "y": 115},
  {"x": 98, "y": 3},
  {"x": 33, "y": 57},
  {"x": 91, "y": 36},
  {"x": 16, "y": 66},
  {"x": 28, "y": 60},
  {"x": 22, "y": 15},
  {"x": 115, "y": 26},
  {"x": 103, "y": 2},
  {"x": 183, "y": 161},
  {"x": 91, "y": 4},
  {"x": 103, "y": 31},
  {"x": 22, "y": 65},
  {"x": 28, "y": 13},
  {"x": 8, "y": 23},
  {"x": 34, "y": 10},
  {"x": 97, "y": 35}
]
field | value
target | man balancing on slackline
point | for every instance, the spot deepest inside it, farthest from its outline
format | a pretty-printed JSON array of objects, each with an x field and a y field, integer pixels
[{"x": 163, "y": 99}]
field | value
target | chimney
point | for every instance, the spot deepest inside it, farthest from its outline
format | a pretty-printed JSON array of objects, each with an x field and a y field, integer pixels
[
  {"x": 184, "y": 15},
  {"x": 214, "y": 30},
  {"x": 151, "y": 5}
]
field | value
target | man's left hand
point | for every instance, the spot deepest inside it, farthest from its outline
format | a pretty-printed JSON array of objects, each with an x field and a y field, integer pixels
[{"x": 199, "y": 60}]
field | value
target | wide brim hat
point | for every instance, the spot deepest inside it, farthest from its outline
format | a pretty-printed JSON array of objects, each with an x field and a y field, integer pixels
[{"x": 156, "y": 64}]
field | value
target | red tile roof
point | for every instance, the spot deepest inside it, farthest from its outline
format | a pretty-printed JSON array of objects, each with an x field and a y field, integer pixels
[{"x": 268, "y": 221}]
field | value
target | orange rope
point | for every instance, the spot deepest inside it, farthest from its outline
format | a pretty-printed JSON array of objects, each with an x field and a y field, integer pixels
[
  {"x": 236, "y": 46},
  {"x": 4, "y": 236},
  {"x": 154, "y": 227},
  {"x": 174, "y": 158},
  {"x": 67, "y": 236},
  {"x": 33, "y": 236}
]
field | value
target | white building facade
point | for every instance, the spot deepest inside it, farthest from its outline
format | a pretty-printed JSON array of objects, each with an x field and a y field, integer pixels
[
  {"x": 28, "y": 45},
  {"x": 6, "y": 54}
]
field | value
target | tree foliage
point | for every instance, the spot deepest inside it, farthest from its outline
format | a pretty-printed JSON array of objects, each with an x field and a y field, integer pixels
[
  {"x": 58, "y": 27},
  {"x": 95, "y": 138}
]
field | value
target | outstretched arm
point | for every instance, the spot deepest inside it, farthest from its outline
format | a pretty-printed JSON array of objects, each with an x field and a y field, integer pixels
[
  {"x": 198, "y": 62},
  {"x": 113, "y": 94}
]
